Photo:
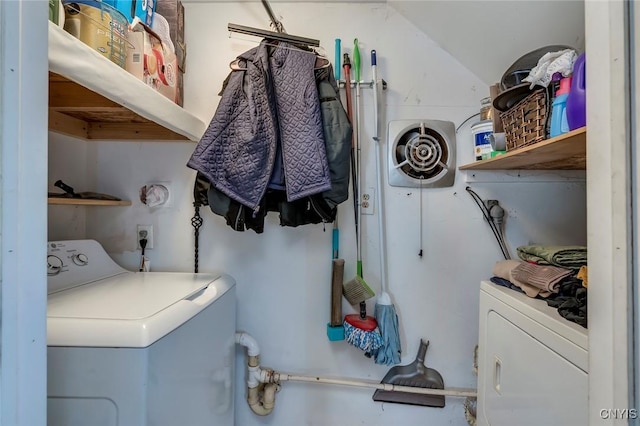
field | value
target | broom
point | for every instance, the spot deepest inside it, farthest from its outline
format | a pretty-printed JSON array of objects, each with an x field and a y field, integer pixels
[
  {"x": 385, "y": 312},
  {"x": 356, "y": 290},
  {"x": 359, "y": 329}
]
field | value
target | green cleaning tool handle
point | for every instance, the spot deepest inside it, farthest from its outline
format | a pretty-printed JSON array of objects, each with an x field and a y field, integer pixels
[
  {"x": 359, "y": 268},
  {"x": 356, "y": 59},
  {"x": 338, "y": 49},
  {"x": 336, "y": 239}
]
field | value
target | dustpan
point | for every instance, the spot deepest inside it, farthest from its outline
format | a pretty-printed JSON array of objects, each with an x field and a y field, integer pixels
[{"x": 416, "y": 375}]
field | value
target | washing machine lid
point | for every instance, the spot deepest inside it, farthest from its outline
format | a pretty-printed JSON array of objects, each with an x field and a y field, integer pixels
[{"x": 130, "y": 309}]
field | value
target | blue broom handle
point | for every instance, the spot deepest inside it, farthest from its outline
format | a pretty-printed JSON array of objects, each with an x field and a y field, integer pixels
[{"x": 338, "y": 52}]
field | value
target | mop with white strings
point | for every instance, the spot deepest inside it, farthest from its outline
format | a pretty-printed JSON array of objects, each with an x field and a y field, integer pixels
[
  {"x": 360, "y": 330},
  {"x": 385, "y": 311}
]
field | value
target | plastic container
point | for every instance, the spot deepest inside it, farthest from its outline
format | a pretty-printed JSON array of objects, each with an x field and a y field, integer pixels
[
  {"x": 481, "y": 132},
  {"x": 99, "y": 26},
  {"x": 559, "y": 123},
  {"x": 577, "y": 100},
  {"x": 485, "y": 109},
  {"x": 554, "y": 85}
]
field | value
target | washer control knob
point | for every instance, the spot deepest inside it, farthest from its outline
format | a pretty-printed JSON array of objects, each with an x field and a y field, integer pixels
[
  {"x": 80, "y": 259},
  {"x": 54, "y": 265}
]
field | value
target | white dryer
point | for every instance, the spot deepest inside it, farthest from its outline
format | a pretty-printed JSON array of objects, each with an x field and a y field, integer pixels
[
  {"x": 136, "y": 349},
  {"x": 532, "y": 363}
]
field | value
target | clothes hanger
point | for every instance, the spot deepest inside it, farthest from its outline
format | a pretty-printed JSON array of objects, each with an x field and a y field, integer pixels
[{"x": 321, "y": 61}]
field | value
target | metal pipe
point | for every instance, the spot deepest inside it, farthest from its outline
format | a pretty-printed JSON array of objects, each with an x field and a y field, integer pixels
[
  {"x": 365, "y": 84},
  {"x": 262, "y": 383},
  {"x": 274, "y": 21},
  {"x": 362, "y": 383}
]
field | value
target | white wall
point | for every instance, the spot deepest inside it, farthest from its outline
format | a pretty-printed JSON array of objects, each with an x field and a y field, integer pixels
[
  {"x": 491, "y": 35},
  {"x": 284, "y": 274},
  {"x": 68, "y": 161}
]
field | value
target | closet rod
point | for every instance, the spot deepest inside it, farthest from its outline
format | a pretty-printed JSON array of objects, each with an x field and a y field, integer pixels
[{"x": 273, "y": 35}]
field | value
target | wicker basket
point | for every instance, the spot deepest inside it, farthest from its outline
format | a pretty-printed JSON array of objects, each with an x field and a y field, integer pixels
[{"x": 526, "y": 122}]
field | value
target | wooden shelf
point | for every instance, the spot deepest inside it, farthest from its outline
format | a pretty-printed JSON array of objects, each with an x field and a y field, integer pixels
[
  {"x": 90, "y": 97},
  {"x": 85, "y": 202},
  {"x": 564, "y": 152}
]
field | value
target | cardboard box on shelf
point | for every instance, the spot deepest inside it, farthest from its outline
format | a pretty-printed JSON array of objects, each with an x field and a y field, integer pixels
[
  {"x": 143, "y": 9},
  {"x": 150, "y": 61},
  {"x": 173, "y": 12}
]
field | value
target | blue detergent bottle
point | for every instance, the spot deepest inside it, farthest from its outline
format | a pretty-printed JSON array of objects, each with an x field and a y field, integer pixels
[{"x": 559, "y": 124}]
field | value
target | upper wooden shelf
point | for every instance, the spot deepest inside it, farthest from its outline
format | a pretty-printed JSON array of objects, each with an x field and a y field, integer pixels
[
  {"x": 90, "y": 97},
  {"x": 564, "y": 152}
]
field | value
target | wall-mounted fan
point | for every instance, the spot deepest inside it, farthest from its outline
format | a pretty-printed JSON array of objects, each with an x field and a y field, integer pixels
[{"x": 422, "y": 153}]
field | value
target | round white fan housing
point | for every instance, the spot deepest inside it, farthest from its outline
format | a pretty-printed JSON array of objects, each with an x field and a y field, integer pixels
[{"x": 422, "y": 153}]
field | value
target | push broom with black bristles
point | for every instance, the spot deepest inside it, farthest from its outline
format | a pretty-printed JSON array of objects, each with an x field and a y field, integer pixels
[{"x": 360, "y": 330}]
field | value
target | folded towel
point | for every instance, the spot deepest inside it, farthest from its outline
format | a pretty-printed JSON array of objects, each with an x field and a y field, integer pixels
[
  {"x": 504, "y": 269},
  {"x": 570, "y": 257},
  {"x": 544, "y": 277}
]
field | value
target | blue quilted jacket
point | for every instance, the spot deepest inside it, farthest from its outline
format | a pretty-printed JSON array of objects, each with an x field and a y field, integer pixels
[{"x": 266, "y": 130}]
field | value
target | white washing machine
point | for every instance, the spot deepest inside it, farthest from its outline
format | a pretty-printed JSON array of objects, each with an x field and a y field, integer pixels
[
  {"x": 136, "y": 348},
  {"x": 532, "y": 363}
]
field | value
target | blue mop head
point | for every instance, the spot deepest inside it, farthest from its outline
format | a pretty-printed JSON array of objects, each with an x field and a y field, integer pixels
[
  {"x": 385, "y": 314},
  {"x": 368, "y": 341}
]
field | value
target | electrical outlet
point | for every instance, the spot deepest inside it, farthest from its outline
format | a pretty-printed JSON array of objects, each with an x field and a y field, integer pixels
[
  {"x": 368, "y": 200},
  {"x": 145, "y": 231},
  {"x": 490, "y": 203}
]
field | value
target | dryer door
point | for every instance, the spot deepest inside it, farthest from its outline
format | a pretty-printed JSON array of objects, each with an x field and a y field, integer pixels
[{"x": 526, "y": 383}]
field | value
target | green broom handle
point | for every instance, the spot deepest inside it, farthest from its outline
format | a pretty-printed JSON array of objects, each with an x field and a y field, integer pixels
[{"x": 356, "y": 59}]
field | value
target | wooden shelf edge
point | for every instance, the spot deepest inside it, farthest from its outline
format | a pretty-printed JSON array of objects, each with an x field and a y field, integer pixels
[
  {"x": 85, "y": 202},
  {"x": 97, "y": 130},
  {"x": 564, "y": 152}
]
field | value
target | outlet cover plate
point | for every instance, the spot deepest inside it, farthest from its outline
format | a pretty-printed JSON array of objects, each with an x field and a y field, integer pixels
[{"x": 149, "y": 230}]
